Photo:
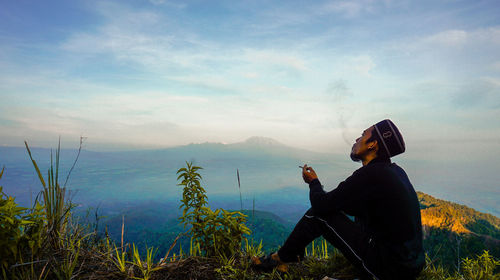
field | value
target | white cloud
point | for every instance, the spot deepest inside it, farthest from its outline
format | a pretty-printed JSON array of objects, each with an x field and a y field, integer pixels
[
  {"x": 496, "y": 65},
  {"x": 346, "y": 8},
  {"x": 362, "y": 64},
  {"x": 212, "y": 82},
  {"x": 253, "y": 75},
  {"x": 168, "y": 3},
  {"x": 448, "y": 38},
  {"x": 275, "y": 57},
  {"x": 453, "y": 39}
]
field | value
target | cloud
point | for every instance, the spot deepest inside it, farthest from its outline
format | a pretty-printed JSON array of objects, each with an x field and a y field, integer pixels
[
  {"x": 278, "y": 58},
  {"x": 154, "y": 43},
  {"x": 214, "y": 83},
  {"x": 345, "y": 8},
  {"x": 496, "y": 65},
  {"x": 446, "y": 55},
  {"x": 107, "y": 120},
  {"x": 483, "y": 93},
  {"x": 144, "y": 37},
  {"x": 362, "y": 64},
  {"x": 168, "y": 3},
  {"x": 454, "y": 39},
  {"x": 448, "y": 38}
]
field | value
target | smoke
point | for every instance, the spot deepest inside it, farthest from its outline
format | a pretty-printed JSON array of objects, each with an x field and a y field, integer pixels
[
  {"x": 343, "y": 126},
  {"x": 338, "y": 92}
]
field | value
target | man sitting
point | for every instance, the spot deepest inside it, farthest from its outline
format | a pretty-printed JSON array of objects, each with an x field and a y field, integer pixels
[{"x": 385, "y": 240}]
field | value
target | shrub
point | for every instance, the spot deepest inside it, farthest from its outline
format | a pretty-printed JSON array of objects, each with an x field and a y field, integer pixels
[
  {"x": 20, "y": 231},
  {"x": 217, "y": 232},
  {"x": 481, "y": 268}
]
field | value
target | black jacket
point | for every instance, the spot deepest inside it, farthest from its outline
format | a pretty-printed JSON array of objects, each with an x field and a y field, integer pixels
[{"x": 383, "y": 201}]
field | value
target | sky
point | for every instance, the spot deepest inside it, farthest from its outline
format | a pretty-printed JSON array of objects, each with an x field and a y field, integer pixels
[{"x": 135, "y": 74}]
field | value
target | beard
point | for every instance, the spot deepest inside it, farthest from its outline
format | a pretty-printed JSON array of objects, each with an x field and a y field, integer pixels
[{"x": 355, "y": 157}]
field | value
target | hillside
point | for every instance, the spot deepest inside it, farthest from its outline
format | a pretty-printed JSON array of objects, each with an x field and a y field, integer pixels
[
  {"x": 157, "y": 225},
  {"x": 456, "y": 217},
  {"x": 453, "y": 231}
]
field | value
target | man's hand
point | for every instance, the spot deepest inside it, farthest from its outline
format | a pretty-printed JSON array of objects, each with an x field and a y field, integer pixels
[{"x": 308, "y": 174}]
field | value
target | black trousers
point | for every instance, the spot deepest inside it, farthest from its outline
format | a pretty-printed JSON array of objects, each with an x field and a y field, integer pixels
[{"x": 345, "y": 235}]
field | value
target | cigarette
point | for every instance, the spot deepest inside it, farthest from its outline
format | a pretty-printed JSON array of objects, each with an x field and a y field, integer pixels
[{"x": 301, "y": 166}]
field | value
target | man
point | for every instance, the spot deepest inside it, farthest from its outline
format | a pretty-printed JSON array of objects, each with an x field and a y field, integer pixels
[{"x": 385, "y": 240}]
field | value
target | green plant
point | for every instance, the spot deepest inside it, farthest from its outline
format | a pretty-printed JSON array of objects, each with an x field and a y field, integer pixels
[
  {"x": 20, "y": 232},
  {"x": 194, "y": 248},
  {"x": 227, "y": 269},
  {"x": 481, "y": 268},
  {"x": 119, "y": 259},
  {"x": 56, "y": 209},
  {"x": 193, "y": 195},
  {"x": 10, "y": 230},
  {"x": 253, "y": 250},
  {"x": 65, "y": 268},
  {"x": 216, "y": 232},
  {"x": 146, "y": 265},
  {"x": 318, "y": 252},
  {"x": 223, "y": 231}
]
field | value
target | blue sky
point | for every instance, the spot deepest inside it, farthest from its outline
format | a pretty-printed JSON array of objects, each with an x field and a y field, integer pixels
[{"x": 311, "y": 74}]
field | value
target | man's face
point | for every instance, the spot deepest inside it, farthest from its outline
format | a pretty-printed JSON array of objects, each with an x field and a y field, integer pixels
[{"x": 361, "y": 147}]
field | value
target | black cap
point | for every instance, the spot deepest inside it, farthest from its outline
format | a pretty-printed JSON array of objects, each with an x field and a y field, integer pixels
[{"x": 390, "y": 139}]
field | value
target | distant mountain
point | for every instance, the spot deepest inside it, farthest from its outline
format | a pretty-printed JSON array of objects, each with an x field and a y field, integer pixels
[
  {"x": 264, "y": 164},
  {"x": 261, "y": 141}
]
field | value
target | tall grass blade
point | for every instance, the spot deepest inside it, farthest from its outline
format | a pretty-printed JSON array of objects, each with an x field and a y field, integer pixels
[
  {"x": 253, "y": 210},
  {"x": 53, "y": 196},
  {"x": 172, "y": 246},
  {"x": 239, "y": 187},
  {"x": 35, "y": 165},
  {"x": 76, "y": 159}
]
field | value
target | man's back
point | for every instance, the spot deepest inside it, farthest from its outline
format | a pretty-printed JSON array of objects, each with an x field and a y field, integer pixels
[{"x": 391, "y": 213}]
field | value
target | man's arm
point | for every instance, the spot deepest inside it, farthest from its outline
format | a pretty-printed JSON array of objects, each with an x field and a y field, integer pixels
[{"x": 347, "y": 196}]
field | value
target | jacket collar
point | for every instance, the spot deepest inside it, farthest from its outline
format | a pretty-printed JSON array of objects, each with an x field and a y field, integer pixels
[{"x": 380, "y": 160}]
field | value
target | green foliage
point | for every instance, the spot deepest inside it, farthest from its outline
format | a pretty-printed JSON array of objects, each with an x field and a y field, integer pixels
[
  {"x": 481, "y": 268},
  {"x": 56, "y": 209},
  {"x": 10, "y": 229},
  {"x": 193, "y": 195},
  {"x": 318, "y": 251},
  {"x": 218, "y": 232},
  {"x": 43, "y": 242},
  {"x": 118, "y": 259},
  {"x": 433, "y": 272},
  {"x": 65, "y": 269},
  {"x": 146, "y": 266},
  {"x": 20, "y": 231},
  {"x": 253, "y": 250}
]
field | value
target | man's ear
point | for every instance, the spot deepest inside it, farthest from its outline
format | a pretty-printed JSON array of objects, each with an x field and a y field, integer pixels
[{"x": 373, "y": 145}]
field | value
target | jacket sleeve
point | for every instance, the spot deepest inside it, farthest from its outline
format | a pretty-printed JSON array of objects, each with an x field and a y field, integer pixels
[{"x": 347, "y": 197}]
